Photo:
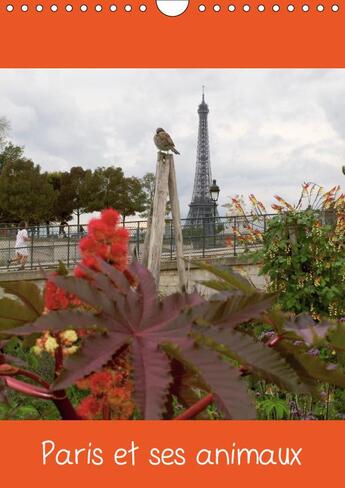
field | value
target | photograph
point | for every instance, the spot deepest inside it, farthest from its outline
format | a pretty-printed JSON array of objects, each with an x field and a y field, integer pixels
[{"x": 172, "y": 244}]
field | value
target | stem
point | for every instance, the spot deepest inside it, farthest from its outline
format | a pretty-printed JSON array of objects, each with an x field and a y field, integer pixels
[
  {"x": 59, "y": 398},
  {"x": 65, "y": 407},
  {"x": 27, "y": 388},
  {"x": 58, "y": 356},
  {"x": 33, "y": 376},
  {"x": 196, "y": 408}
]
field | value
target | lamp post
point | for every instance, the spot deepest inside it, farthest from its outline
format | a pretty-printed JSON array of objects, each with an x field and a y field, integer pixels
[{"x": 214, "y": 192}]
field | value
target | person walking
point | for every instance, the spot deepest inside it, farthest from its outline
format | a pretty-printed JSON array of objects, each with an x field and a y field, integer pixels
[{"x": 21, "y": 247}]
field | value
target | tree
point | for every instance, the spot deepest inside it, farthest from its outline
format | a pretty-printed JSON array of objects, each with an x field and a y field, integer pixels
[
  {"x": 25, "y": 192},
  {"x": 75, "y": 192},
  {"x": 113, "y": 189},
  {"x": 110, "y": 182},
  {"x": 148, "y": 183},
  {"x": 10, "y": 152},
  {"x": 133, "y": 198},
  {"x": 4, "y": 126}
]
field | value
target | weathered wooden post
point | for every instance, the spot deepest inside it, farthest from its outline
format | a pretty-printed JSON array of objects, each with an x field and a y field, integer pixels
[
  {"x": 145, "y": 257},
  {"x": 175, "y": 210},
  {"x": 152, "y": 252}
]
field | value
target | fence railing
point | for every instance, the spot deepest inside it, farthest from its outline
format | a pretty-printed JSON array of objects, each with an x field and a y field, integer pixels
[{"x": 203, "y": 238}]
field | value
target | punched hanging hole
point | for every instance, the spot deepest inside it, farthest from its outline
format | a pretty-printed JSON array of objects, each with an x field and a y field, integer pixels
[{"x": 172, "y": 8}]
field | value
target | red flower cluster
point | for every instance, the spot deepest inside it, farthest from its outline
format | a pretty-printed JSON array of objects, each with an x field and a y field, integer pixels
[
  {"x": 56, "y": 298},
  {"x": 105, "y": 240},
  {"x": 110, "y": 388},
  {"x": 110, "y": 395}
]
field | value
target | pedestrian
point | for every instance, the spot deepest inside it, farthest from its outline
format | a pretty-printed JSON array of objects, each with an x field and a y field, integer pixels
[
  {"x": 21, "y": 247},
  {"x": 62, "y": 231}
]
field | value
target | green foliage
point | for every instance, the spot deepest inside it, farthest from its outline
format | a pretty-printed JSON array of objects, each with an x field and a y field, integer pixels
[
  {"x": 4, "y": 126},
  {"x": 305, "y": 261},
  {"x": 148, "y": 182},
  {"x": 273, "y": 408},
  {"x": 30, "y": 195},
  {"x": 25, "y": 305},
  {"x": 25, "y": 193},
  {"x": 183, "y": 347}
]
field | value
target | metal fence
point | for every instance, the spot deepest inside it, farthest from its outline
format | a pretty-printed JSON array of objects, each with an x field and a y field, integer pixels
[{"x": 207, "y": 237}]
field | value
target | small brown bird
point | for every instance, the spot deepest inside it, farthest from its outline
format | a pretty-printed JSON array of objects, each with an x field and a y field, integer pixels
[{"x": 163, "y": 141}]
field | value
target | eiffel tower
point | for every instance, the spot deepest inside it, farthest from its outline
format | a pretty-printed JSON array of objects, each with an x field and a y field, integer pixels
[{"x": 202, "y": 209}]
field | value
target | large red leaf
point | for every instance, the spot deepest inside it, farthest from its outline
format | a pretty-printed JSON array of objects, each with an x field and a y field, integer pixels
[
  {"x": 61, "y": 320},
  {"x": 258, "y": 357},
  {"x": 126, "y": 310},
  {"x": 229, "y": 391},
  {"x": 95, "y": 352},
  {"x": 228, "y": 309},
  {"x": 151, "y": 378}
]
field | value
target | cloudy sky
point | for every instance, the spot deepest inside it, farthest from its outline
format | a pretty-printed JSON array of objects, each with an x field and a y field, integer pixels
[{"x": 270, "y": 130}]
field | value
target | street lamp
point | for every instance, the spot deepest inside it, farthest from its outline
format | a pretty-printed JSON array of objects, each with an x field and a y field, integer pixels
[{"x": 214, "y": 192}]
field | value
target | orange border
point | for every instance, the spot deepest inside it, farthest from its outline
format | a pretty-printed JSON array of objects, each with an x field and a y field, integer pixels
[{"x": 192, "y": 40}]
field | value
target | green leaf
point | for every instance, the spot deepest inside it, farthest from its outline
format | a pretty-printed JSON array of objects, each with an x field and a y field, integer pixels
[
  {"x": 28, "y": 292},
  {"x": 14, "y": 314},
  {"x": 229, "y": 278},
  {"x": 26, "y": 412}
]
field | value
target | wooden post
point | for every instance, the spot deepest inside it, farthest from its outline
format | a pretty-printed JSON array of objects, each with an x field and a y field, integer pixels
[
  {"x": 175, "y": 210},
  {"x": 158, "y": 216},
  {"x": 145, "y": 257}
]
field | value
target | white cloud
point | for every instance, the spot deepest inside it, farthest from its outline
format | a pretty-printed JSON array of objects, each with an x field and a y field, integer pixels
[{"x": 270, "y": 130}]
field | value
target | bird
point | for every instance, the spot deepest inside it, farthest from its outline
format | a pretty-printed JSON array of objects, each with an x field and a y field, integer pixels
[{"x": 163, "y": 141}]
